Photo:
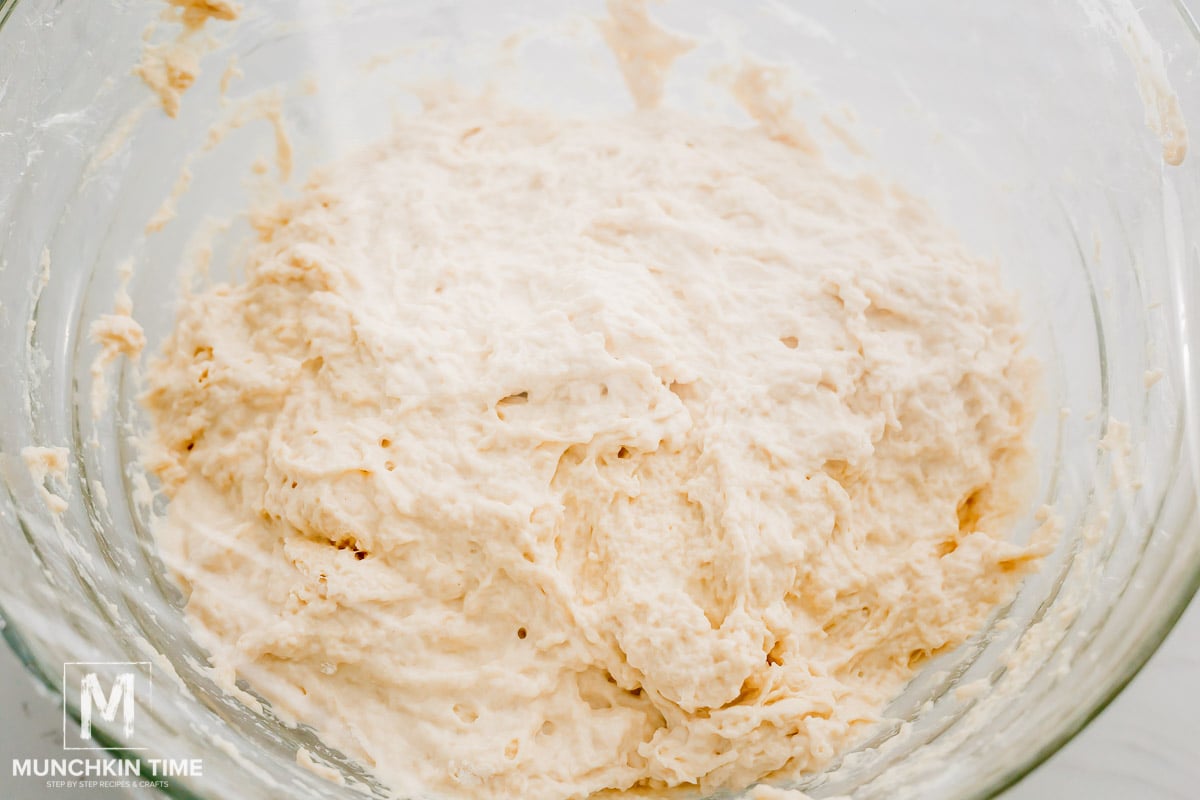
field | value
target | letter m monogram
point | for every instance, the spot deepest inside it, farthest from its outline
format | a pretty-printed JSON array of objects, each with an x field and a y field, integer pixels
[{"x": 93, "y": 700}]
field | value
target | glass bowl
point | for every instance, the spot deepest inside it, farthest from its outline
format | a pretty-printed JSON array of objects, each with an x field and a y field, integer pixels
[{"x": 1043, "y": 131}]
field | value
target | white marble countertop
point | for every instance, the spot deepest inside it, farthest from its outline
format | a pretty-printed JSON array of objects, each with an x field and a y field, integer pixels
[{"x": 1145, "y": 746}]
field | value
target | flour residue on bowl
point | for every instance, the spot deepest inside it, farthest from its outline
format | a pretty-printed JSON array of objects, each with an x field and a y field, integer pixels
[
  {"x": 1120, "y": 19},
  {"x": 170, "y": 67}
]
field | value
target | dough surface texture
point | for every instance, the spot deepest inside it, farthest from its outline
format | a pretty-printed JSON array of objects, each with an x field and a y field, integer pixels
[{"x": 535, "y": 457}]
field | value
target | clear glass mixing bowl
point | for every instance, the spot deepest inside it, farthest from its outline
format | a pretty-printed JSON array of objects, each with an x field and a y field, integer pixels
[{"x": 1024, "y": 123}]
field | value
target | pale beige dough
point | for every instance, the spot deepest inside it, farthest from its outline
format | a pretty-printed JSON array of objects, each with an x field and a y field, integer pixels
[
  {"x": 537, "y": 457},
  {"x": 169, "y": 68}
]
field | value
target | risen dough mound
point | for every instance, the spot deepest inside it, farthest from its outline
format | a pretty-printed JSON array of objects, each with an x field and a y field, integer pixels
[{"x": 535, "y": 457}]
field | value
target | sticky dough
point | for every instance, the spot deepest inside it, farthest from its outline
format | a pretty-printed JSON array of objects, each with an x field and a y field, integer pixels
[{"x": 537, "y": 457}]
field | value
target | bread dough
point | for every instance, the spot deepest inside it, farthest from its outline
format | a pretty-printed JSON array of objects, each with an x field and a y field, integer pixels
[{"x": 538, "y": 457}]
